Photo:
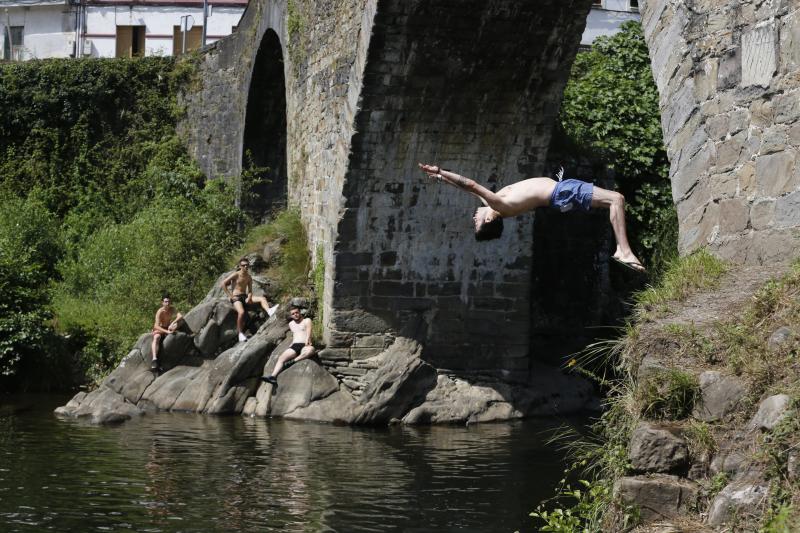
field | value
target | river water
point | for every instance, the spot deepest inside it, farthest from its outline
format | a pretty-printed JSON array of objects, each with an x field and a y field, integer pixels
[{"x": 182, "y": 472}]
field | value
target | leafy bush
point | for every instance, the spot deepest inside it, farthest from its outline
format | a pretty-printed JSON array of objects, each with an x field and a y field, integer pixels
[
  {"x": 30, "y": 245},
  {"x": 610, "y": 112},
  {"x": 113, "y": 285}
]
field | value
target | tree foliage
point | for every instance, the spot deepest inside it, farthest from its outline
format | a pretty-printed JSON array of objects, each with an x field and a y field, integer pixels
[
  {"x": 610, "y": 110},
  {"x": 103, "y": 208}
]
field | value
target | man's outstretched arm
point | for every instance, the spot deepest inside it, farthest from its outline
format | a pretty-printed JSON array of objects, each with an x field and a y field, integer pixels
[{"x": 465, "y": 184}]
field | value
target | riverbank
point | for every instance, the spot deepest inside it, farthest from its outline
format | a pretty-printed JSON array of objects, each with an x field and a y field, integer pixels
[{"x": 701, "y": 430}]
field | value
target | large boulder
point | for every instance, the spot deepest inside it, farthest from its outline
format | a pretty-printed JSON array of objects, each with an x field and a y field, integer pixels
[
  {"x": 457, "y": 399},
  {"x": 719, "y": 396},
  {"x": 190, "y": 380},
  {"x": 399, "y": 383}
]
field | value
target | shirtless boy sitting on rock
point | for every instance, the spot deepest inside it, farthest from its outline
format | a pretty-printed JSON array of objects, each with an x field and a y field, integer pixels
[
  {"x": 300, "y": 349},
  {"x": 527, "y": 195},
  {"x": 163, "y": 326},
  {"x": 242, "y": 294}
]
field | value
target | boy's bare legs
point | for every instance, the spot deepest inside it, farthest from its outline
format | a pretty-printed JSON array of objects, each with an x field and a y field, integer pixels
[
  {"x": 239, "y": 306},
  {"x": 262, "y": 300},
  {"x": 615, "y": 203}
]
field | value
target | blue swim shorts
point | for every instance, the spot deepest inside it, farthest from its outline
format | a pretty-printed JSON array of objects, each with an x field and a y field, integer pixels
[{"x": 570, "y": 193}]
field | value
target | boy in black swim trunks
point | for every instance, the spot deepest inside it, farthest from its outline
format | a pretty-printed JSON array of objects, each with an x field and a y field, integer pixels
[
  {"x": 527, "y": 195},
  {"x": 300, "y": 349},
  {"x": 242, "y": 294}
]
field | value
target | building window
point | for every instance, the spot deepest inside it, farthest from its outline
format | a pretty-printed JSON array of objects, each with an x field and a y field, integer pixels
[
  {"x": 130, "y": 41},
  {"x": 12, "y": 43},
  {"x": 193, "y": 38},
  {"x": 635, "y": 5}
]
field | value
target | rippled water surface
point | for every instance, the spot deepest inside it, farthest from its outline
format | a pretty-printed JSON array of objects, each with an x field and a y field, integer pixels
[{"x": 176, "y": 472}]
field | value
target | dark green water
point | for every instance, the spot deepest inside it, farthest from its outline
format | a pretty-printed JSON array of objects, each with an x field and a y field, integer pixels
[{"x": 174, "y": 472}]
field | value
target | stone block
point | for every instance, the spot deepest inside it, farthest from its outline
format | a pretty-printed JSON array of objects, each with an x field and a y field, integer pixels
[
  {"x": 334, "y": 354},
  {"x": 728, "y": 152},
  {"x": 774, "y": 139},
  {"x": 717, "y": 127},
  {"x": 657, "y": 497},
  {"x": 730, "y": 69},
  {"x": 787, "y": 107},
  {"x": 733, "y": 215},
  {"x": 787, "y": 211},
  {"x": 758, "y": 56},
  {"x": 774, "y": 173},
  {"x": 370, "y": 341},
  {"x": 655, "y": 448},
  {"x": 762, "y": 214},
  {"x": 790, "y": 43},
  {"x": 720, "y": 395},
  {"x": 705, "y": 79}
]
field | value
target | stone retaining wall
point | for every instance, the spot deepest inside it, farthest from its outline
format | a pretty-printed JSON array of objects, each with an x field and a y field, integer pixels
[{"x": 727, "y": 74}]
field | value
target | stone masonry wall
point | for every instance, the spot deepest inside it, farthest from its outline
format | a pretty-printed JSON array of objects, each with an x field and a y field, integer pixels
[
  {"x": 475, "y": 87},
  {"x": 729, "y": 84},
  {"x": 323, "y": 64}
]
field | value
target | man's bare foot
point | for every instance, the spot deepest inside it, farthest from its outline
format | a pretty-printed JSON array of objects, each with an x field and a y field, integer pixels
[{"x": 629, "y": 261}]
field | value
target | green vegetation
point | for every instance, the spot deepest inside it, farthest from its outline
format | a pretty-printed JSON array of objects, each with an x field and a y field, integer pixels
[
  {"x": 683, "y": 277},
  {"x": 668, "y": 395},
  {"x": 610, "y": 113},
  {"x": 742, "y": 344},
  {"x": 103, "y": 211},
  {"x": 290, "y": 267}
]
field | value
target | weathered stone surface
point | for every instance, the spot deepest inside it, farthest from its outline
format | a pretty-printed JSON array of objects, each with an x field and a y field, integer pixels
[
  {"x": 742, "y": 500},
  {"x": 101, "y": 406},
  {"x": 745, "y": 92},
  {"x": 730, "y": 461},
  {"x": 457, "y": 400},
  {"x": 399, "y": 384},
  {"x": 657, "y": 449},
  {"x": 719, "y": 396},
  {"x": 657, "y": 497},
  {"x": 770, "y": 412}
]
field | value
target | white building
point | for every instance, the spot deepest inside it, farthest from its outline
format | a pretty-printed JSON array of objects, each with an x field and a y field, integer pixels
[
  {"x": 111, "y": 28},
  {"x": 606, "y": 17}
]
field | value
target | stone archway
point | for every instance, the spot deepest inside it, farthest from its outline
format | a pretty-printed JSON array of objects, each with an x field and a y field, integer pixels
[{"x": 264, "y": 140}]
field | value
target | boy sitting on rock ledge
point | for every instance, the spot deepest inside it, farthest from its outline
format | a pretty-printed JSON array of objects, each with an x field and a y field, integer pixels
[
  {"x": 300, "y": 349},
  {"x": 163, "y": 326}
]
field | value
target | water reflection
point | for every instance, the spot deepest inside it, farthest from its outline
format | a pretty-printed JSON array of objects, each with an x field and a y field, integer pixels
[{"x": 173, "y": 472}]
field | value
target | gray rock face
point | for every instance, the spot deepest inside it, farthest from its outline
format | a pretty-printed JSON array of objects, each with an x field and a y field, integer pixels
[
  {"x": 658, "y": 496},
  {"x": 190, "y": 381},
  {"x": 738, "y": 500},
  {"x": 395, "y": 385},
  {"x": 770, "y": 412},
  {"x": 657, "y": 449},
  {"x": 719, "y": 396}
]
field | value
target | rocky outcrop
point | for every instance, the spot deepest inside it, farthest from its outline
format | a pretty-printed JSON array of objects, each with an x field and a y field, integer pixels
[{"x": 205, "y": 370}]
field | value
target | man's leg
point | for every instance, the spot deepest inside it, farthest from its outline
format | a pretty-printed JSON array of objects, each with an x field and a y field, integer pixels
[
  {"x": 154, "y": 350},
  {"x": 262, "y": 300},
  {"x": 287, "y": 355},
  {"x": 615, "y": 203},
  {"x": 239, "y": 306}
]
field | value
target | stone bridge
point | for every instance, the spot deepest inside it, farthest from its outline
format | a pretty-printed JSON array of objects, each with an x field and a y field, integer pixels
[{"x": 342, "y": 98}]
